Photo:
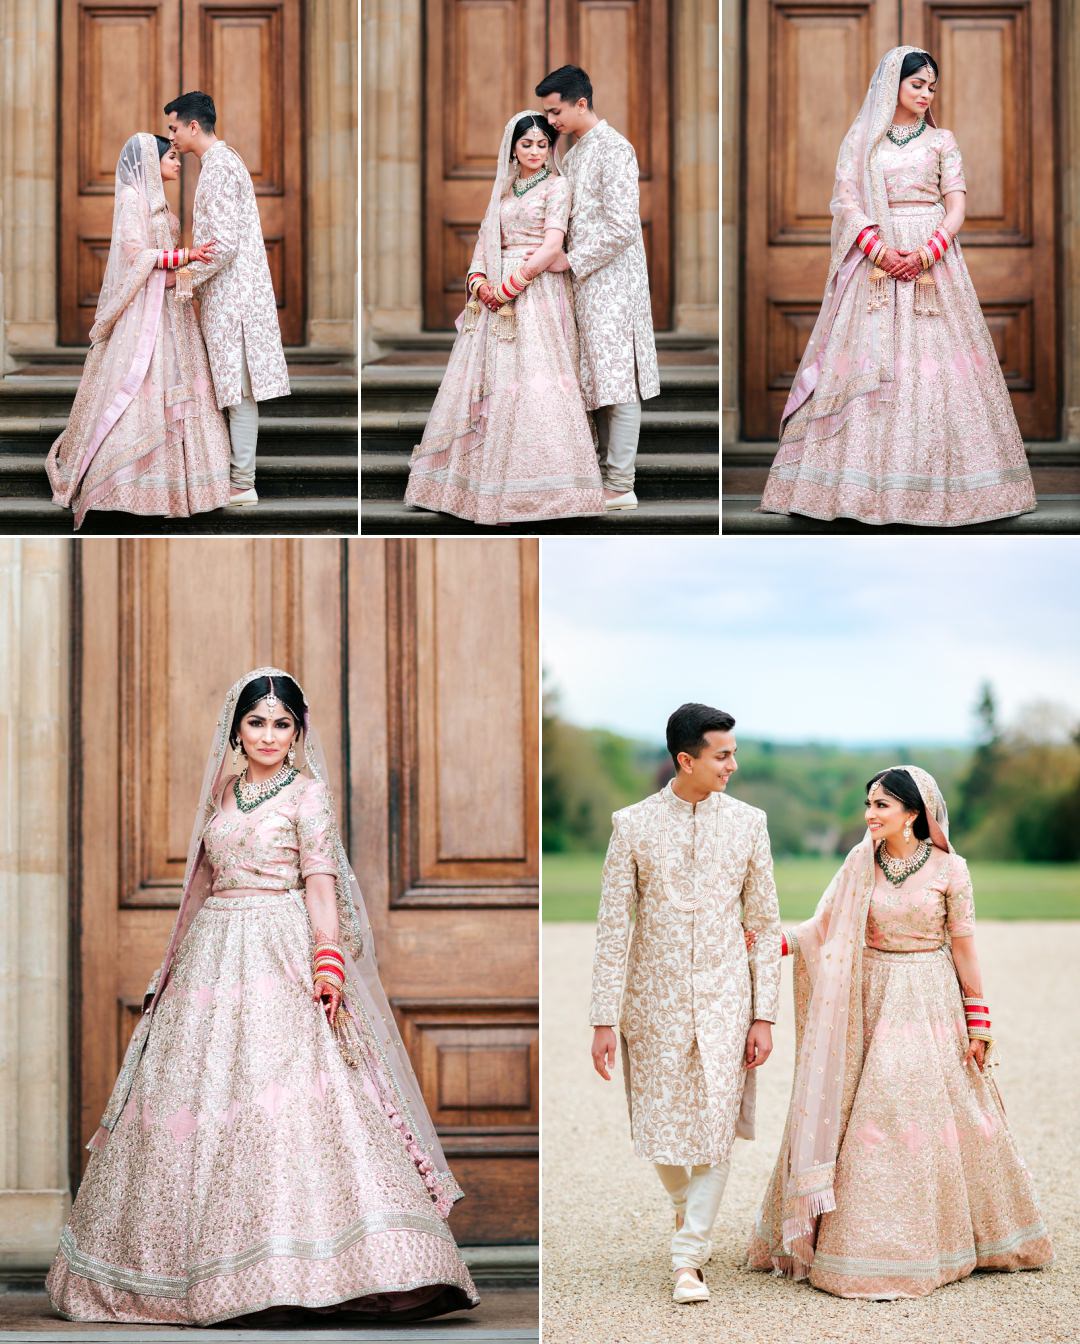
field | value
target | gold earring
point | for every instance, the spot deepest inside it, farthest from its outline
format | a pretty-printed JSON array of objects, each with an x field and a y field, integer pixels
[
  {"x": 907, "y": 830},
  {"x": 292, "y": 753},
  {"x": 237, "y": 752}
]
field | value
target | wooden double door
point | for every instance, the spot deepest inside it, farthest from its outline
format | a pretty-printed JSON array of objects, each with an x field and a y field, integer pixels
[
  {"x": 419, "y": 660},
  {"x": 121, "y": 62},
  {"x": 483, "y": 59},
  {"x": 807, "y": 69}
]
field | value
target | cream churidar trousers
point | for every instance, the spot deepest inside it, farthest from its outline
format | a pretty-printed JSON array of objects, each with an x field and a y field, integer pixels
[{"x": 695, "y": 1193}]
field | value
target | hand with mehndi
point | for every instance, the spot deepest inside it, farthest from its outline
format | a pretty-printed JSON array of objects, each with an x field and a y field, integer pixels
[{"x": 329, "y": 997}]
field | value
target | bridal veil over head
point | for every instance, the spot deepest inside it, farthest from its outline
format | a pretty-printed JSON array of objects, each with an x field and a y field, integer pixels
[
  {"x": 830, "y": 1039},
  {"x": 386, "y": 1064},
  {"x": 859, "y": 198}
]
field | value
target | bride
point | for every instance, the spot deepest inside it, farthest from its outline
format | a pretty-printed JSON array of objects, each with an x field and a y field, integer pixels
[
  {"x": 897, "y": 1172},
  {"x": 899, "y": 412},
  {"x": 509, "y": 439},
  {"x": 145, "y": 435},
  {"x": 266, "y": 1143}
]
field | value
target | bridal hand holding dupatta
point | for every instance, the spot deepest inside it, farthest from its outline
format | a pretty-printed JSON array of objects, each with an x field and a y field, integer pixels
[
  {"x": 897, "y": 1172},
  {"x": 144, "y": 435}
]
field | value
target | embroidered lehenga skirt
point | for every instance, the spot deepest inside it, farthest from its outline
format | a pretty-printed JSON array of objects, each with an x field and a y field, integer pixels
[
  {"x": 929, "y": 1182},
  {"x": 941, "y": 447},
  {"x": 252, "y": 1167},
  {"x": 522, "y": 448}
]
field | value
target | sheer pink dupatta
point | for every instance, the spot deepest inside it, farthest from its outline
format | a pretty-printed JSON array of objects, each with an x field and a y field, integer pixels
[
  {"x": 829, "y": 1045},
  {"x": 849, "y": 355},
  {"x": 124, "y": 333}
]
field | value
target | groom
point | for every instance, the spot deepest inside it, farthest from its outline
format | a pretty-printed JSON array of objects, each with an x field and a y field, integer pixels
[
  {"x": 611, "y": 283},
  {"x": 694, "y": 867},
  {"x": 238, "y": 312}
]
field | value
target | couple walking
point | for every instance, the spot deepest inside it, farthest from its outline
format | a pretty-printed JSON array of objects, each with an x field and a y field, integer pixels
[
  {"x": 897, "y": 1172},
  {"x": 148, "y": 432},
  {"x": 539, "y": 412}
]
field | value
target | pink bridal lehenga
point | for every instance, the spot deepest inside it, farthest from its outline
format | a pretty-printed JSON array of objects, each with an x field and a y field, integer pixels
[
  {"x": 897, "y": 1172},
  {"x": 899, "y": 412},
  {"x": 509, "y": 439},
  {"x": 145, "y": 435},
  {"x": 246, "y": 1160}
]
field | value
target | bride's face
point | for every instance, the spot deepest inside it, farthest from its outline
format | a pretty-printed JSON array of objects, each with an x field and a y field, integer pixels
[
  {"x": 531, "y": 151},
  {"x": 885, "y": 816},
  {"x": 917, "y": 92},
  {"x": 266, "y": 736},
  {"x": 170, "y": 166}
]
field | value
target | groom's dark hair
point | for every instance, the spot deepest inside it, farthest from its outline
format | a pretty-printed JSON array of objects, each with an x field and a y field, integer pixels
[
  {"x": 687, "y": 727},
  {"x": 195, "y": 107},
  {"x": 570, "y": 82}
]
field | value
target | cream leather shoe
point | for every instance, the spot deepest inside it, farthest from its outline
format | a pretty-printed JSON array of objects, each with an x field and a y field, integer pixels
[
  {"x": 623, "y": 501},
  {"x": 690, "y": 1287},
  {"x": 245, "y": 497}
]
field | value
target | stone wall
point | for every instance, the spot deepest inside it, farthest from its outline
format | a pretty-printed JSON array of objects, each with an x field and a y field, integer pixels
[{"x": 34, "y": 755}]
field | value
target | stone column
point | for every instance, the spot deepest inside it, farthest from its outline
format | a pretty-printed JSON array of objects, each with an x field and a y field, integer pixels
[
  {"x": 730, "y": 155},
  {"x": 391, "y": 176},
  {"x": 1070, "y": 229},
  {"x": 331, "y": 175},
  {"x": 34, "y": 755},
  {"x": 696, "y": 166},
  {"x": 28, "y": 38}
]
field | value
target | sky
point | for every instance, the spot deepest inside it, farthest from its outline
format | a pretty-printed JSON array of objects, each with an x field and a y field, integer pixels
[{"x": 853, "y": 640}]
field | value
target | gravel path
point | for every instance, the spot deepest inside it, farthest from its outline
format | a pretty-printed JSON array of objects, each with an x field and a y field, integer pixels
[{"x": 606, "y": 1221}]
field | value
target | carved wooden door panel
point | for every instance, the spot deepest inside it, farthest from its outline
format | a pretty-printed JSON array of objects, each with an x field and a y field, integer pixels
[
  {"x": 121, "y": 62},
  {"x": 623, "y": 46},
  {"x": 792, "y": 136},
  {"x": 419, "y": 661}
]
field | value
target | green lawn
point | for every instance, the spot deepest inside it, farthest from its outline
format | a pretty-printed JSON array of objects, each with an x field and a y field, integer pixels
[{"x": 1002, "y": 890}]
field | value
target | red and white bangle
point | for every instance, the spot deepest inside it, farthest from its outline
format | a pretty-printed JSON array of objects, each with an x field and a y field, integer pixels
[
  {"x": 474, "y": 281},
  {"x": 172, "y": 261},
  {"x": 869, "y": 241},
  {"x": 977, "y": 1016},
  {"x": 328, "y": 963},
  {"x": 511, "y": 287},
  {"x": 938, "y": 244}
]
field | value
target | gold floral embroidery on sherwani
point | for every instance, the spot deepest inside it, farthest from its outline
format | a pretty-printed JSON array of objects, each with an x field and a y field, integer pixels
[
  {"x": 611, "y": 279},
  {"x": 694, "y": 877},
  {"x": 235, "y": 291}
]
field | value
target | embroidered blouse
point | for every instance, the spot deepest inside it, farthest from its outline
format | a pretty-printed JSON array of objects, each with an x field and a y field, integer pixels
[
  {"x": 924, "y": 170},
  {"x": 523, "y": 219},
  {"x": 277, "y": 846},
  {"x": 914, "y": 916}
]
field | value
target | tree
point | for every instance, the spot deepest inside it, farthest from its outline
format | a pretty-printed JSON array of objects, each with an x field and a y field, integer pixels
[{"x": 977, "y": 787}]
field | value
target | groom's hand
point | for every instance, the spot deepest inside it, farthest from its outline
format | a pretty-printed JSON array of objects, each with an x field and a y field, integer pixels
[
  {"x": 758, "y": 1044},
  {"x": 603, "y": 1051}
]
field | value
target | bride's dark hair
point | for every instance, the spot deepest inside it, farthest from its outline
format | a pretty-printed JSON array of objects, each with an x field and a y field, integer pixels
[
  {"x": 916, "y": 60},
  {"x": 163, "y": 146},
  {"x": 898, "y": 784},
  {"x": 258, "y": 689},
  {"x": 534, "y": 121}
]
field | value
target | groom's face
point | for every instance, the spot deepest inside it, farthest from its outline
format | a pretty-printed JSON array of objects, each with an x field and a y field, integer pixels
[
  {"x": 182, "y": 134},
  {"x": 565, "y": 117},
  {"x": 714, "y": 764}
]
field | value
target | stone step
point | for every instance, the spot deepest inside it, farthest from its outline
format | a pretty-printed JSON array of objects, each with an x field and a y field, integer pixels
[
  {"x": 22, "y": 475},
  {"x": 661, "y": 431},
  {"x": 314, "y": 515},
  {"x": 277, "y": 434},
  {"x": 46, "y": 395},
  {"x": 659, "y": 475},
  {"x": 1055, "y": 514},
  {"x": 1040, "y": 453},
  {"x": 406, "y": 387},
  {"x": 389, "y": 518}
]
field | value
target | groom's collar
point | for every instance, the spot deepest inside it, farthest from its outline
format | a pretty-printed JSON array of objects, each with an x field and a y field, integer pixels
[
  {"x": 670, "y": 797},
  {"x": 601, "y": 122}
]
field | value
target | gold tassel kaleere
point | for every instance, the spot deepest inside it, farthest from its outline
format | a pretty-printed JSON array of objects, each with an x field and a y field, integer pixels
[
  {"x": 505, "y": 327},
  {"x": 926, "y": 304},
  {"x": 879, "y": 289},
  {"x": 472, "y": 316}
]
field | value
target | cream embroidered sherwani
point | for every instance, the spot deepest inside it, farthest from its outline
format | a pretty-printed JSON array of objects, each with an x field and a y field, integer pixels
[
  {"x": 607, "y": 262},
  {"x": 694, "y": 877},
  {"x": 235, "y": 291}
]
